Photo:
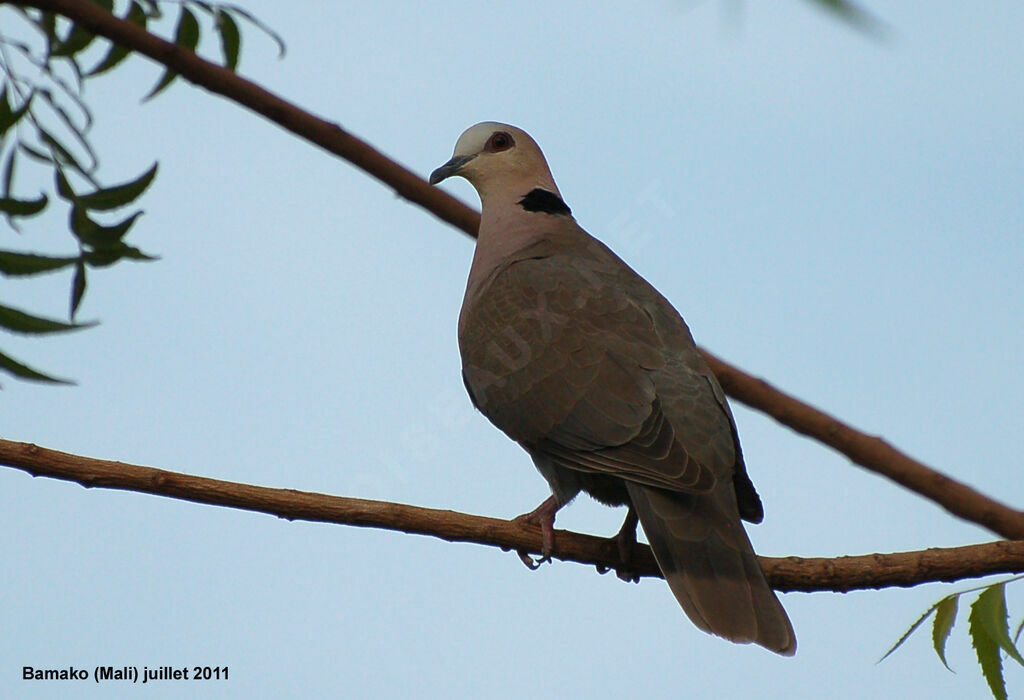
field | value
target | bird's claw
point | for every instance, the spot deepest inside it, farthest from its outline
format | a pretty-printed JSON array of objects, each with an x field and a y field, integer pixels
[
  {"x": 624, "y": 541},
  {"x": 627, "y": 576},
  {"x": 543, "y": 516},
  {"x": 531, "y": 563}
]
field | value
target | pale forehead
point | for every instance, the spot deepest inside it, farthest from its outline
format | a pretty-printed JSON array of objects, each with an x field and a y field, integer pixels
[{"x": 473, "y": 139}]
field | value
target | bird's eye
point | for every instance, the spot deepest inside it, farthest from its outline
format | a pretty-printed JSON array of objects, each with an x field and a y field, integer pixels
[{"x": 499, "y": 141}]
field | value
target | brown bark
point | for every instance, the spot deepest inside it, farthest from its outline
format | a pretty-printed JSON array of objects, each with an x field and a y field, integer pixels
[{"x": 784, "y": 574}]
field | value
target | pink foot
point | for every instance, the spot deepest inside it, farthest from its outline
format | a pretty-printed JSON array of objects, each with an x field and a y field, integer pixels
[
  {"x": 624, "y": 542},
  {"x": 543, "y": 516}
]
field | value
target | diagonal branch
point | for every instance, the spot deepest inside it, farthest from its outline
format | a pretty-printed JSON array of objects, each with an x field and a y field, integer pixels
[
  {"x": 785, "y": 574},
  {"x": 870, "y": 452},
  {"x": 327, "y": 135}
]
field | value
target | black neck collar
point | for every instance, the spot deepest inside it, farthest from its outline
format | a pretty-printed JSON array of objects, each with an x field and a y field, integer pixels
[{"x": 545, "y": 202}]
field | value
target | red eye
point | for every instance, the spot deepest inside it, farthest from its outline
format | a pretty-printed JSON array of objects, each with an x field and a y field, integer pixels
[{"x": 499, "y": 141}]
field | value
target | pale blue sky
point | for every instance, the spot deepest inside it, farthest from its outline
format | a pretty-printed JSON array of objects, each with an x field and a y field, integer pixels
[{"x": 840, "y": 216}]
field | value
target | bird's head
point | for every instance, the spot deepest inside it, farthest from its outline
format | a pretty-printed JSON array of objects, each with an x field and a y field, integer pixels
[{"x": 497, "y": 157}]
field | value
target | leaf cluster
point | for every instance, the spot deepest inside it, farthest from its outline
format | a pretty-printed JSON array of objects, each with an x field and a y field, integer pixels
[
  {"x": 44, "y": 121},
  {"x": 987, "y": 626}
]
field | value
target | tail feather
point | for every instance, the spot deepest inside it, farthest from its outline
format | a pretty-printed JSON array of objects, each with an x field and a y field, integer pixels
[{"x": 710, "y": 565}]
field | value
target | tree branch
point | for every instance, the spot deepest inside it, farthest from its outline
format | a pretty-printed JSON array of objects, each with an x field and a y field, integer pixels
[
  {"x": 327, "y": 135},
  {"x": 870, "y": 452},
  {"x": 785, "y": 574}
]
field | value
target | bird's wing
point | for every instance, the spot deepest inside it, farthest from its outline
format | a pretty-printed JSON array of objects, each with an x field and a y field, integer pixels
[{"x": 563, "y": 352}]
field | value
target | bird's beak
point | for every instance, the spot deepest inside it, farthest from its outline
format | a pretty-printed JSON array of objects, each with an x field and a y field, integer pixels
[{"x": 450, "y": 168}]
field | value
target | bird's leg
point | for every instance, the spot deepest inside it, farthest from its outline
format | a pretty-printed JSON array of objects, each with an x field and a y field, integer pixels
[
  {"x": 544, "y": 516},
  {"x": 624, "y": 541}
]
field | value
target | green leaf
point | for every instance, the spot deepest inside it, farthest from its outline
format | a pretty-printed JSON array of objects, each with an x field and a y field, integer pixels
[
  {"x": 187, "y": 34},
  {"x": 119, "y": 195},
  {"x": 97, "y": 235},
  {"x": 48, "y": 25},
  {"x": 101, "y": 258},
  {"x": 8, "y": 176},
  {"x": 133, "y": 253},
  {"x": 72, "y": 127},
  {"x": 996, "y": 621},
  {"x": 187, "y": 37},
  {"x": 913, "y": 628},
  {"x": 77, "y": 287},
  {"x": 22, "y": 207},
  {"x": 21, "y": 322},
  {"x": 9, "y": 117},
  {"x": 14, "y": 264},
  {"x": 230, "y": 39},
  {"x": 945, "y": 616},
  {"x": 988, "y": 614},
  {"x": 104, "y": 257},
  {"x": 63, "y": 154},
  {"x": 137, "y": 16},
  {"x": 78, "y": 39},
  {"x": 253, "y": 20},
  {"x": 12, "y": 366},
  {"x": 64, "y": 190}
]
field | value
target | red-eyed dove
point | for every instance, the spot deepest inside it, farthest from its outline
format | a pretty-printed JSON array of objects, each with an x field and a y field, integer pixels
[{"x": 582, "y": 362}]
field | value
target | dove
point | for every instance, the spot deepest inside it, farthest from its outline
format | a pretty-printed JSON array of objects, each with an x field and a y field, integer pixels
[{"x": 580, "y": 360}]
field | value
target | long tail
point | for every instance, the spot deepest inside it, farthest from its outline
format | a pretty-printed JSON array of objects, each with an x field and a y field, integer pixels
[{"x": 709, "y": 563}]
